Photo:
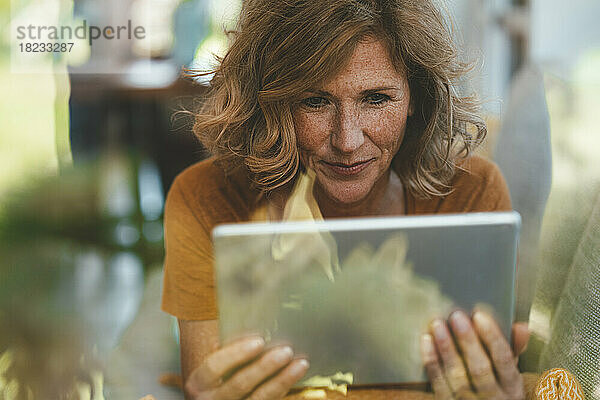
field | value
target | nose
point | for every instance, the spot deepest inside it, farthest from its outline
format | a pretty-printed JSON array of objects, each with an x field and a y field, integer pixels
[{"x": 348, "y": 134}]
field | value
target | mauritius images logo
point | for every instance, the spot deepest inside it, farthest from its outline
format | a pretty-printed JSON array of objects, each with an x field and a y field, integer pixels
[{"x": 64, "y": 34}]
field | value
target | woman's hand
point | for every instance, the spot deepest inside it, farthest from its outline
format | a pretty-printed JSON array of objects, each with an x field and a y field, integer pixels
[
  {"x": 477, "y": 363},
  {"x": 263, "y": 374}
]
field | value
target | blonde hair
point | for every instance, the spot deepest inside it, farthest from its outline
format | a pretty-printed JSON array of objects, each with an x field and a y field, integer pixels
[{"x": 282, "y": 48}]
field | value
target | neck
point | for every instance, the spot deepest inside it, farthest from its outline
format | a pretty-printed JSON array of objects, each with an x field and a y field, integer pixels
[{"x": 385, "y": 198}]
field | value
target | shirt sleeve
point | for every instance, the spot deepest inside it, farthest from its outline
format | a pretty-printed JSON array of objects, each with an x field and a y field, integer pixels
[{"x": 188, "y": 282}]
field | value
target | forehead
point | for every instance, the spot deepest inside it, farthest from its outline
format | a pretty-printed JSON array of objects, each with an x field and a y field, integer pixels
[{"x": 368, "y": 66}]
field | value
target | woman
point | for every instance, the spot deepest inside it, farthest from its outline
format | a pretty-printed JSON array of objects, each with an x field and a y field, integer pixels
[{"x": 363, "y": 93}]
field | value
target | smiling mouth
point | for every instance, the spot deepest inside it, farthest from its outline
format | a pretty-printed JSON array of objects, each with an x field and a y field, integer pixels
[{"x": 347, "y": 169}]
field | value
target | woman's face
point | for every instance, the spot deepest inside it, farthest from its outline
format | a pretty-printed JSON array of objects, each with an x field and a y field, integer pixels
[{"x": 350, "y": 128}]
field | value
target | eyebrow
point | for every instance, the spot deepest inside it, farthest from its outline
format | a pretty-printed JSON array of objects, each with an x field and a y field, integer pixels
[{"x": 363, "y": 92}]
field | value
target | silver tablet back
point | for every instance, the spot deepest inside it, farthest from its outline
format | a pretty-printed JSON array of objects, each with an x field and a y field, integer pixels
[{"x": 354, "y": 295}]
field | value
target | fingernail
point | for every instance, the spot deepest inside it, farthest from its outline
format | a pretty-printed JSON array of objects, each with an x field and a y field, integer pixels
[
  {"x": 299, "y": 367},
  {"x": 439, "y": 329},
  {"x": 460, "y": 322},
  {"x": 427, "y": 349},
  {"x": 481, "y": 319},
  {"x": 283, "y": 354},
  {"x": 255, "y": 344}
]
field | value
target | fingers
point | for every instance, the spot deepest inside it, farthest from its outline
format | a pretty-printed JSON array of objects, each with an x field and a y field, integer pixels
[
  {"x": 501, "y": 354},
  {"x": 476, "y": 359},
  {"x": 433, "y": 368},
  {"x": 244, "y": 381},
  {"x": 520, "y": 334},
  {"x": 278, "y": 386},
  {"x": 453, "y": 367},
  {"x": 207, "y": 380},
  {"x": 220, "y": 362},
  {"x": 493, "y": 373}
]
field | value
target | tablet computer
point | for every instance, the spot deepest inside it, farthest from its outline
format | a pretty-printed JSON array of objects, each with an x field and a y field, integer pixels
[{"x": 354, "y": 295}]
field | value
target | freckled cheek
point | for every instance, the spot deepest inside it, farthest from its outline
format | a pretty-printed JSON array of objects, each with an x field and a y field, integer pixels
[
  {"x": 311, "y": 131},
  {"x": 387, "y": 133}
]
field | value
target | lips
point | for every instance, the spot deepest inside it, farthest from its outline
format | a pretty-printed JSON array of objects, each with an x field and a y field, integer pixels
[{"x": 347, "y": 169}]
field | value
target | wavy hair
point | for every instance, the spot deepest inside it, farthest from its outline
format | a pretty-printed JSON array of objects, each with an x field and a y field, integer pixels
[{"x": 281, "y": 48}]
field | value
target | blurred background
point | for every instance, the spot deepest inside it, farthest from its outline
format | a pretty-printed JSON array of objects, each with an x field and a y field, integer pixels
[{"x": 92, "y": 139}]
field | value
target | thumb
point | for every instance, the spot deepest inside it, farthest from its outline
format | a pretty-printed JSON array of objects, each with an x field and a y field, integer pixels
[{"x": 520, "y": 337}]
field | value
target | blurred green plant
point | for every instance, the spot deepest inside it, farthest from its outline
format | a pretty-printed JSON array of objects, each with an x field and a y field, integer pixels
[
  {"x": 363, "y": 305},
  {"x": 47, "y": 350}
]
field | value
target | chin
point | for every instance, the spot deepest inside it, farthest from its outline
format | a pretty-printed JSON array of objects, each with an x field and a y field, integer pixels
[{"x": 346, "y": 192}]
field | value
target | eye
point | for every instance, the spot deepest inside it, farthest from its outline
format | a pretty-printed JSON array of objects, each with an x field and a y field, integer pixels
[
  {"x": 377, "y": 99},
  {"x": 315, "y": 102}
]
